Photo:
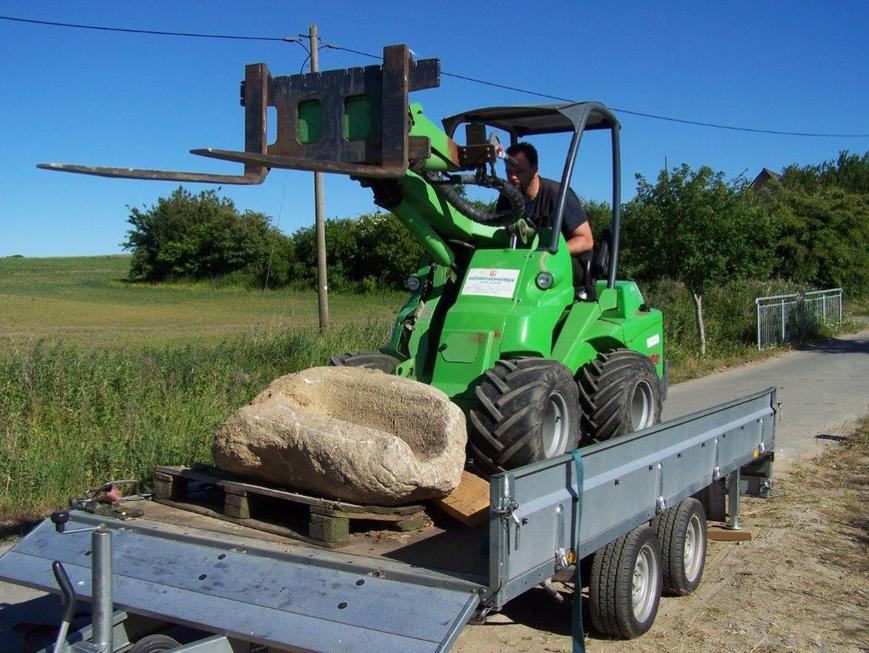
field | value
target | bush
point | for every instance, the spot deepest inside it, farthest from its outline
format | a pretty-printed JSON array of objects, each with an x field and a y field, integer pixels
[
  {"x": 198, "y": 237},
  {"x": 374, "y": 251}
]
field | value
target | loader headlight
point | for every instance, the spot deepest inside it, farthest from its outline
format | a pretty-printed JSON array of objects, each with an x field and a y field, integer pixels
[
  {"x": 544, "y": 280},
  {"x": 412, "y": 283}
]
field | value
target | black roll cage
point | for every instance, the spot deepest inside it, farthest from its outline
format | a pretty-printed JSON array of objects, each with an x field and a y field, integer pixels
[{"x": 571, "y": 117}]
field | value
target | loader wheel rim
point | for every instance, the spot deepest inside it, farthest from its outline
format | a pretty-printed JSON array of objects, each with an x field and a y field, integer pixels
[
  {"x": 642, "y": 406},
  {"x": 643, "y": 583},
  {"x": 693, "y": 548},
  {"x": 555, "y": 426}
]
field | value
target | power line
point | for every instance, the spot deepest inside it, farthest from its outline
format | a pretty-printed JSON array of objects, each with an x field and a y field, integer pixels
[
  {"x": 102, "y": 28},
  {"x": 475, "y": 80},
  {"x": 631, "y": 112}
]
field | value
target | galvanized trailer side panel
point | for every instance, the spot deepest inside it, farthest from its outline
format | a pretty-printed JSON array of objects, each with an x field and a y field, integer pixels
[
  {"x": 315, "y": 601},
  {"x": 627, "y": 480}
]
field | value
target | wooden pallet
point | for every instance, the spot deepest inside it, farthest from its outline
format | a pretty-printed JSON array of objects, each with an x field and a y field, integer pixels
[{"x": 326, "y": 522}]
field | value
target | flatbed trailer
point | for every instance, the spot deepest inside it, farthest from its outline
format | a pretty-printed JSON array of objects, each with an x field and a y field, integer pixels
[{"x": 244, "y": 589}]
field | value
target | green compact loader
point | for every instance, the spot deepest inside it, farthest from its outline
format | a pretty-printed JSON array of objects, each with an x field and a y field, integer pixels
[{"x": 494, "y": 319}]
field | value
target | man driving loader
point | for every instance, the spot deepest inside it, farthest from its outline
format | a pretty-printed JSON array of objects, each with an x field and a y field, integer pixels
[{"x": 541, "y": 195}]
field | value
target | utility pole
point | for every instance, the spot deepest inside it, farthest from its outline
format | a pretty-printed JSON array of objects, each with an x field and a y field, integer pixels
[{"x": 320, "y": 225}]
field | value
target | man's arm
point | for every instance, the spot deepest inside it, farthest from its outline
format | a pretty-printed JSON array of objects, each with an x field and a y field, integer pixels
[
  {"x": 580, "y": 240},
  {"x": 576, "y": 229}
]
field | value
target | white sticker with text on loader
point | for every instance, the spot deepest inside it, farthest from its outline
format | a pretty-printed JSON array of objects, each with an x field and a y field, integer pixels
[{"x": 491, "y": 282}]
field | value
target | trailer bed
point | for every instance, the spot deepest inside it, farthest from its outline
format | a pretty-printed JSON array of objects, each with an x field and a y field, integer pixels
[{"x": 406, "y": 591}]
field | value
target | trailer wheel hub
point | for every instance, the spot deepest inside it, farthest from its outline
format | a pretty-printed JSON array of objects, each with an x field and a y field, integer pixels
[
  {"x": 643, "y": 588},
  {"x": 693, "y": 547}
]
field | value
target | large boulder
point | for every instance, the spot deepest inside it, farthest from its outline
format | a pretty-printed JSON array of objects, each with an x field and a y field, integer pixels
[{"x": 348, "y": 433}]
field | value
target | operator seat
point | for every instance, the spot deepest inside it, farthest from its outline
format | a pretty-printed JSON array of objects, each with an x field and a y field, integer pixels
[{"x": 598, "y": 264}]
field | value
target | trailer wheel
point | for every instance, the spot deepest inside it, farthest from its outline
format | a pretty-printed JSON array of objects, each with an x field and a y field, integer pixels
[
  {"x": 625, "y": 585},
  {"x": 154, "y": 644},
  {"x": 527, "y": 410},
  {"x": 373, "y": 360},
  {"x": 682, "y": 532},
  {"x": 619, "y": 393}
]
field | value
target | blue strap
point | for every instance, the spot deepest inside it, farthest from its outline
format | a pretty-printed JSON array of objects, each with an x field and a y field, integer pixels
[{"x": 577, "y": 630}]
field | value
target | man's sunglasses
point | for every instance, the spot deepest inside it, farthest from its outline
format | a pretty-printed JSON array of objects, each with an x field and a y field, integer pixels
[{"x": 517, "y": 168}]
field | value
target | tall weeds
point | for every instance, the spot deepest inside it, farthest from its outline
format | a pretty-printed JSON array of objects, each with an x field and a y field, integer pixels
[{"x": 71, "y": 419}]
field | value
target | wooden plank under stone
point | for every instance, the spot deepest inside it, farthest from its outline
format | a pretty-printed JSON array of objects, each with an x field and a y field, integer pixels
[{"x": 469, "y": 502}]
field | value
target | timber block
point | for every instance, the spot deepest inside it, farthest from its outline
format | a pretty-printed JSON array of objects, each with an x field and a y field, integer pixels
[
  {"x": 168, "y": 487},
  {"x": 236, "y": 505},
  {"x": 722, "y": 534},
  {"x": 333, "y": 530}
]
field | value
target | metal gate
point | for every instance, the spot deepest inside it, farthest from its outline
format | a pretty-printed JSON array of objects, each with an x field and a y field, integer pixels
[{"x": 781, "y": 318}]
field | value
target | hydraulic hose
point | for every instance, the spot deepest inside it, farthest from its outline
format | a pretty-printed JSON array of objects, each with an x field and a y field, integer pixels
[{"x": 463, "y": 206}]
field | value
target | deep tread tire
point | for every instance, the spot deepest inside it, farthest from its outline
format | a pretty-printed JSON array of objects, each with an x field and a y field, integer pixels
[
  {"x": 607, "y": 386},
  {"x": 154, "y": 644},
  {"x": 373, "y": 360},
  {"x": 506, "y": 426},
  {"x": 671, "y": 527},
  {"x": 610, "y": 589}
]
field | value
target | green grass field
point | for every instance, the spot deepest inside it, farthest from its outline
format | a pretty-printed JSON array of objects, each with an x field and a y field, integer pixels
[{"x": 86, "y": 301}]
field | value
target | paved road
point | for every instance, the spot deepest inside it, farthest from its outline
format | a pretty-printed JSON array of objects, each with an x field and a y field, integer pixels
[{"x": 823, "y": 391}]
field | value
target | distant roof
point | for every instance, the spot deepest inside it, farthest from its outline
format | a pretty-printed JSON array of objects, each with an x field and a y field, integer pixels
[
  {"x": 762, "y": 177},
  {"x": 538, "y": 118}
]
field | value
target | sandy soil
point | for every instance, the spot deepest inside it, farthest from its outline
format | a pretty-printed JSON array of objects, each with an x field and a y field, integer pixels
[{"x": 802, "y": 584}]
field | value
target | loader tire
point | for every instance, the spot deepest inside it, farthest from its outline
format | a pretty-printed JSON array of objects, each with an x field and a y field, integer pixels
[
  {"x": 619, "y": 393},
  {"x": 526, "y": 410},
  {"x": 373, "y": 360},
  {"x": 682, "y": 533},
  {"x": 625, "y": 583}
]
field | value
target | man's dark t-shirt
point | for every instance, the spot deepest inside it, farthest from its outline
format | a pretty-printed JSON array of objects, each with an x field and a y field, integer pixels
[{"x": 541, "y": 209}]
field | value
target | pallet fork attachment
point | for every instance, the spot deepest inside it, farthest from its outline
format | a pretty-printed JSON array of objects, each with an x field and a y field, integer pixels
[{"x": 353, "y": 121}]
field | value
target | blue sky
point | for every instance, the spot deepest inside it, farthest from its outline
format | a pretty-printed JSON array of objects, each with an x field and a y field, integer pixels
[{"x": 142, "y": 101}]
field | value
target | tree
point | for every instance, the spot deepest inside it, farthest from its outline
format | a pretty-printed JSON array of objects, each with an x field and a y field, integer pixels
[
  {"x": 822, "y": 236},
  {"x": 695, "y": 227},
  {"x": 197, "y": 236},
  {"x": 849, "y": 172},
  {"x": 342, "y": 252},
  {"x": 388, "y": 253},
  {"x": 821, "y": 218}
]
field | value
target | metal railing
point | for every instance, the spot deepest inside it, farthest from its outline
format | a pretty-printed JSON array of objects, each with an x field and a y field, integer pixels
[{"x": 781, "y": 318}]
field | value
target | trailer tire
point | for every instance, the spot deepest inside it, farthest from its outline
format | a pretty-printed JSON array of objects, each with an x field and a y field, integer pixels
[
  {"x": 373, "y": 360},
  {"x": 625, "y": 585},
  {"x": 619, "y": 392},
  {"x": 154, "y": 644},
  {"x": 682, "y": 532},
  {"x": 527, "y": 410}
]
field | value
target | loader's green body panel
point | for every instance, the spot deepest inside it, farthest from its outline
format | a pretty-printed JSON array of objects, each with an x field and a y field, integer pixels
[
  {"x": 480, "y": 300},
  {"x": 455, "y": 328}
]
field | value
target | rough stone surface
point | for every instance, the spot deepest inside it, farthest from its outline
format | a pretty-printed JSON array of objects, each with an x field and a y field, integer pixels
[{"x": 348, "y": 433}]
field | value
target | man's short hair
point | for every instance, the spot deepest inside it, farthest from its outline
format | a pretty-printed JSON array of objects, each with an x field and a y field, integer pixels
[{"x": 527, "y": 149}]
